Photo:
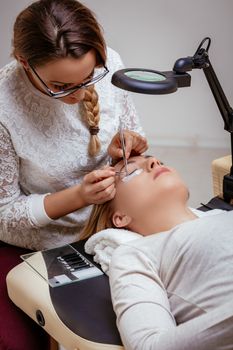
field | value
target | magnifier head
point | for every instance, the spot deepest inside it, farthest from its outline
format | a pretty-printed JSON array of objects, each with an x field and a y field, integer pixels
[{"x": 145, "y": 81}]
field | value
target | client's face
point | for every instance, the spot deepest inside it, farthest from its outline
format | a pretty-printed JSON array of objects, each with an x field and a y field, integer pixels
[{"x": 150, "y": 186}]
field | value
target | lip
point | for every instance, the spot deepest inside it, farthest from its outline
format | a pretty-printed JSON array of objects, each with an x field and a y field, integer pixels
[{"x": 160, "y": 171}]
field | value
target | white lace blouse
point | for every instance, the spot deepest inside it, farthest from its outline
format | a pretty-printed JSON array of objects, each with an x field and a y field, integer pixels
[{"x": 43, "y": 147}]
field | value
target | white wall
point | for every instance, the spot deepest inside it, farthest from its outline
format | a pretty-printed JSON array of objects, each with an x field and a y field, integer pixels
[{"x": 153, "y": 34}]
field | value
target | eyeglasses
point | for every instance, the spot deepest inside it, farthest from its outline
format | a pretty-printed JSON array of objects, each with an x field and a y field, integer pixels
[{"x": 97, "y": 76}]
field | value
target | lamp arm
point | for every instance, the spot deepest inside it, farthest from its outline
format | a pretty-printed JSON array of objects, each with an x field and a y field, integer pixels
[
  {"x": 219, "y": 96},
  {"x": 201, "y": 60}
]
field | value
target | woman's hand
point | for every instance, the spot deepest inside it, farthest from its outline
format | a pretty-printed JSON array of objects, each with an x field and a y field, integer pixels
[
  {"x": 98, "y": 186},
  {"x": 135, "y": 144}
]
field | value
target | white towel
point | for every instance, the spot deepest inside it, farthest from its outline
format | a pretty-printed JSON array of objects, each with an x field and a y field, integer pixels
[{"x": 102, "y": 244}]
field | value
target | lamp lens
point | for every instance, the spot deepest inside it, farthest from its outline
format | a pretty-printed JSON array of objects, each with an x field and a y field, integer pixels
[{"x": 145, "y": 76}]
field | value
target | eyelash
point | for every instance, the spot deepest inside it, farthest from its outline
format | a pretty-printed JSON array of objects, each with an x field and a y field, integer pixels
[
  {"x": 132, "y": 175},
  {"x": 133, "y": 171},
  {"x": 123, "y": 174},
  {"x": 61, "y": 87}
]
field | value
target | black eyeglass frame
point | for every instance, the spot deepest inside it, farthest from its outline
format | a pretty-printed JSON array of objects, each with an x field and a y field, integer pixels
[{"x": 70, "y": 91}]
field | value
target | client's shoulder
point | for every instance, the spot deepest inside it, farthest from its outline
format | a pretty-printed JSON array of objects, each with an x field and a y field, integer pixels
[{"x": 140, "y": 251}]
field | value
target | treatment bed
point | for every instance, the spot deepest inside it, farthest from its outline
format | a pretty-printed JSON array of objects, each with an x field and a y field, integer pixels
[{"x": 79, "y": 315}]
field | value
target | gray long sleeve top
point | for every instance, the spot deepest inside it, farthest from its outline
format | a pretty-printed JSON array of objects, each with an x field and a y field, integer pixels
[{"x": 174, "y": 290}]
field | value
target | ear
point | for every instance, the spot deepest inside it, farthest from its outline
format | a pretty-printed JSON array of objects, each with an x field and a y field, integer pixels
[
  {"x": 121, "y": 220},
  {"x": 23, "y": 62}
]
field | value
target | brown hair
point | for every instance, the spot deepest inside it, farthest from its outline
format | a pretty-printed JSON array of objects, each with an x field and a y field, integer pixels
[
  {"x": 51, "y": 29},
  {"x": 100, "y": 219}
]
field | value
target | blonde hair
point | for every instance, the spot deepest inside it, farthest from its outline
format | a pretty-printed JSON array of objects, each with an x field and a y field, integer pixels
[
  {"x": 92, "y": 116},
  {"x": 100, "y": 219}
]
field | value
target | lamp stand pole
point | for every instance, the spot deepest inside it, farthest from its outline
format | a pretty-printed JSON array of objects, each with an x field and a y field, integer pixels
[{"x": 201, "y": 60}]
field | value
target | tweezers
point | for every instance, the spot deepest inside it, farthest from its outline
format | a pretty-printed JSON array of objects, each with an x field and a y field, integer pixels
[
  {"x": 87, "y": 171},
  {"x": 122, "y": 139}
]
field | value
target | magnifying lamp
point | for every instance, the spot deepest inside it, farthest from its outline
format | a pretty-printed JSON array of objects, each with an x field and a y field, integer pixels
[{"x": 148, "y": 81}]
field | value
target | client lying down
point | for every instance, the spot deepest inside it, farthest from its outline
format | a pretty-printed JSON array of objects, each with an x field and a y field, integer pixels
[{"x": 174, "y": 288}]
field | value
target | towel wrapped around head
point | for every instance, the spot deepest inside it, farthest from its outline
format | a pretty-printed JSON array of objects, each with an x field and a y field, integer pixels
[{"x": 103, "y": 243}]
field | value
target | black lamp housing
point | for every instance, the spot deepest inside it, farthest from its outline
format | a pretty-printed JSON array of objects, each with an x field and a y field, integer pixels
[{"x": 147, "y": 81}]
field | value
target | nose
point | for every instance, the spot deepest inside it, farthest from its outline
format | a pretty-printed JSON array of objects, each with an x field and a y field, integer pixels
[{"x": 152, "y": 163}]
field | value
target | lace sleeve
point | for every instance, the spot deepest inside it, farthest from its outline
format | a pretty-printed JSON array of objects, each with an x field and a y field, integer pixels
[
  {"x": 15, "y": 215},
  {"x": 129, "y": 115}
]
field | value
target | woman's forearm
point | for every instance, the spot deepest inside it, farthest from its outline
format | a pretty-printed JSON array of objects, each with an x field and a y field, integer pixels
[{"x": 64, "y": 202}]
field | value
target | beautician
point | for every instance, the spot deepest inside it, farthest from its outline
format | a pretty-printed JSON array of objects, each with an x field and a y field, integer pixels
[{"x": 59, "y": 123}]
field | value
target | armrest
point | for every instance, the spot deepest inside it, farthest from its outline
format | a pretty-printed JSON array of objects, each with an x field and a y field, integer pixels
[{"x": 220, "y": 167}]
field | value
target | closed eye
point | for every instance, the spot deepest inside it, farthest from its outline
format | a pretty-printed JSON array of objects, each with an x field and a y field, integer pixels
[
  {"x": 133, "y": 171},
  {"x": 123, "y": 173},
  {"x": 61, "y": 87}
]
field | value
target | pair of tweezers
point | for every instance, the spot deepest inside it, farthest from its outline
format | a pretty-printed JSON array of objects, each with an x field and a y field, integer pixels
[{"x": 122, "y": 139}]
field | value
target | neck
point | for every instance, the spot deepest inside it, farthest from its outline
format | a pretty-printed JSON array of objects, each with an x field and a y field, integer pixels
[{"x": 163, "y": 219}]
